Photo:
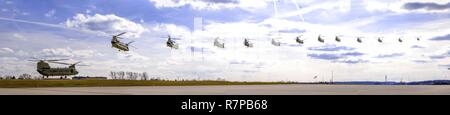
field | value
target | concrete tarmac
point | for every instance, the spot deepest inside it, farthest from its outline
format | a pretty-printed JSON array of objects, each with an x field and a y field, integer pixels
[{"x": 293, "y": 89}]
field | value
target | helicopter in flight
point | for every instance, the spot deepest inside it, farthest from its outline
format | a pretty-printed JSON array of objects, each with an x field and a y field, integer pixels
[
  {"x": 400, "y": 39},
  {"x": 247, "y": 43},
  {"x": 116, "y": 43},
  {"x": 358, "y": 39},
  {"x": 320, "y": 39},
  {"x": 338, "y": 39},
  {"x": 43, "y": 68},
  {"x": 298, "y": 40},
  {"x": 380, "y": 39},
  {"x": 219, "y": 43},
  {"x": 276, "y": 42},
  {"x": 171, "y": 42}
]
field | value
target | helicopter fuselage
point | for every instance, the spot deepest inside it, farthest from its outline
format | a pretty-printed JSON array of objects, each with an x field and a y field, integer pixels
[
  {"x": 170, "y": 43},
  {"x": 338, "y": 39},
  {"x": 218, "y": 44},
  {"x": 321, "y": 39},
  {"x": 247, "y": 43},
  {"x": 115, "y": 43},
  {"x": 276, "y": 43},
  {"x": 44, "y": 69}
]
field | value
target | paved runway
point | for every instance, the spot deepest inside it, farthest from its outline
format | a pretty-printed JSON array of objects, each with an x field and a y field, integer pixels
[{"x": 239, "y": 90}]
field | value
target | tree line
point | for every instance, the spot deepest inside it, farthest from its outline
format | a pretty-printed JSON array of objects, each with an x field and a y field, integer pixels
[
  {"x": 122, "y": 75},
  {"x": 24, "y": 76}
]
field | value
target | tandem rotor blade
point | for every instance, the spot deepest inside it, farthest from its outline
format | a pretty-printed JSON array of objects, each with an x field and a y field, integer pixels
[
  {"x": 121, "y": 33},
  {"x": 61, "y": 63},
  {"x": 56, "y": 60}
]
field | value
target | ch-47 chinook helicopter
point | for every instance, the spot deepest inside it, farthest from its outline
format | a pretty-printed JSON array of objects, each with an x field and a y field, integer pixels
[
  {"x": 219, "y": 43},
  {"x": 171, "y": 42},
  {"x": 320, "y": 39},
  {"x": 275, "y": 42},
  {"x": 44, "y": 68},
  {"x": 338, "y": 39},
  {"x": 359, "y": 40},
  {"x": 247, "y": 43},
  {"x": 115, "y": 43},
  {"x": 380, "y": 39}
]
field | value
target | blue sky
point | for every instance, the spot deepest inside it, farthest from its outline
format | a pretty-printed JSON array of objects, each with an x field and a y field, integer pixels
[{"x": 80, "y": 30}]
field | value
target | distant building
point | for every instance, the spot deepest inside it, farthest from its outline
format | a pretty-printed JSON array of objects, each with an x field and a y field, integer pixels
[{"x": 88, "y": 78}]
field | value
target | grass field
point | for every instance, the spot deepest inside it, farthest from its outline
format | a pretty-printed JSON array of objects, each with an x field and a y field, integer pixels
[{"x": 101, "y": 83}]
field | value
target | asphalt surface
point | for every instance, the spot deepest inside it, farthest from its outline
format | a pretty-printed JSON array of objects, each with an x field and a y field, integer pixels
[{"x": 239, "y": 90}]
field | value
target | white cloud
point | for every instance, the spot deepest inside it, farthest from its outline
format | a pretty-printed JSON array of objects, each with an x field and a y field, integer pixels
[
  {"x": 212, "y": 4},
  {"x": 342, "y": 6},
  {"x": 106, "y": 24},
  {"x": 6, "y": 50},
  {"x": 133, "y": 56},
  {"x": 50, "y": 13},
  {"x": 69, "y": 53},
  {"x": 9, "y": 2},
  {"x": 19, "y": 36},
  {"x": 398, "y": 6}
]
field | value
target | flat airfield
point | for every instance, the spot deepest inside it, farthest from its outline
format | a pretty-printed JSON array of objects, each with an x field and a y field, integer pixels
[{"x": 284, "y": 89}]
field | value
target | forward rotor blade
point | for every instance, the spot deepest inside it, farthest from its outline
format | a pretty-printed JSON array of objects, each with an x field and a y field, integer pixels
[
  {"x": 76, "y": 63},
  {"x": 56, "y": 60},
  {"x": 60, "y": 63},
  {"x": 176, "y": 38},
  {"x": 35, "y": 58}
]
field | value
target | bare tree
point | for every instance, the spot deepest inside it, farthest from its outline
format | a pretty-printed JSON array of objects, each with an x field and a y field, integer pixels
[
  {"x": 144, "y": 76},
  {"x": 129, "y": 75},
  {"x": 122, "y": 75},
  {"x": 24, "y": 76},
  {"x": 114, "y": 75}
]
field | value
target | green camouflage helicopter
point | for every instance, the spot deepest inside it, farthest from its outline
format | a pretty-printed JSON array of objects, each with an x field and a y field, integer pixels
[
  {"x": 171, "y": 42},
  {"x": 115, "y": 43},
  {"x": 44, "y": 68},
  {"x": 247, "y": 43},
  {"x": 219, "y": 43}
]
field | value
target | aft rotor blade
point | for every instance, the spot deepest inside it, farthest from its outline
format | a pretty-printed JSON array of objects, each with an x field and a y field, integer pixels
[
  {"x": 130, "y": 42},
  {"x": 133, "y": 47},
  {"x": 121, "y": 34}
]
